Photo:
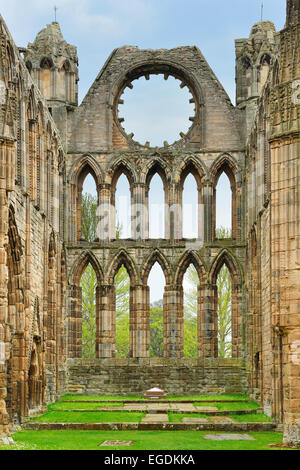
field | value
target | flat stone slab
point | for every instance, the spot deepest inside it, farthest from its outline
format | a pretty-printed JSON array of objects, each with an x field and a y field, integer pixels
[
  {"x": 195, "y": 420},
  {"x": 116, "y": 443},
  {"x": 221, "y": 419},
  {"x": 229, "y": 437},
  {"x": 206, "y": 409},
  {"x": 155, "y": 418},
  {"x": 135, "y": 407},
  {"x": 183, "y": 407},
  {"x": 158, "y": 406}
]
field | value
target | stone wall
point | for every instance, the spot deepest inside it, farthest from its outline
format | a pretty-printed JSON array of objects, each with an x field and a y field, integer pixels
[{"x": 176, "y": 377}]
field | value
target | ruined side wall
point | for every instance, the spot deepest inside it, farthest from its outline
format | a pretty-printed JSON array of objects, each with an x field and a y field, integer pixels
[
  {"x": 31, "y": 172},
  {"x": 273, "y": 180},
  {"x": 135, "y": 376}
]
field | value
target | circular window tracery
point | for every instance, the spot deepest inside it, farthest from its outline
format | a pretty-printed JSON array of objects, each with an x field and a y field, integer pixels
[{"x": 167, "y": 112}]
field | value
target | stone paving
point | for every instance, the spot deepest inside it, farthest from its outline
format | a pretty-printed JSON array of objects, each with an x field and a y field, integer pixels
[
  {"x": 229, "y": 437},
  {"x": 155, "y": 418}
]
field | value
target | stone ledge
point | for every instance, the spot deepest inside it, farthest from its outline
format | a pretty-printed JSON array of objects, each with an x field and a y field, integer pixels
[{"x": 227, "y": 427}]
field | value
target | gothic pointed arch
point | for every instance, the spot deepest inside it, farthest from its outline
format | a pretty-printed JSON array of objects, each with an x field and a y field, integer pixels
[
  {"x": 237, "y": 337},
  {"x": 82, "y": 166},
  {"x": 156, "y": 257},
  {"x": 188, "y": 258},
  {"x": 232, "y": 264},
  {"x": 227, "y": 164},
  {"x": 119, "y": 167},
  {"x": 192, "y": 165},
  {"x": 161, "y": 168},
  {"x": 120, "y": 259},
  {"x": 86, "y": 257}
]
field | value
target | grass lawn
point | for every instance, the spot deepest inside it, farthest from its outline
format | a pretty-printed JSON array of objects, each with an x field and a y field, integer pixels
[
  {"x": 60, "y": 405},
  {"x": 251, "y": 418},
  {"x": 249, "y": 405},
  {"x": 103, "y": 398},
  {"x": 144, "y": 440},
  {"x": 89, "y": 417}
]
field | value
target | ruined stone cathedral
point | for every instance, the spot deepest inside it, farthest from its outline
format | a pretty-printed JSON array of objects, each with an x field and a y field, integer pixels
[{"x": 49, "y": 144}]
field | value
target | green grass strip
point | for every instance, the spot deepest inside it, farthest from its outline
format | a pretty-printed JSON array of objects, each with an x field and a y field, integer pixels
[
  {"x": 251, "y": 418},
  {"x": 143, "y": 440},
  {"x": 89, "y": 417},
  {"x": 81, "y": 406},
  {"x": 250, "y": 405}
]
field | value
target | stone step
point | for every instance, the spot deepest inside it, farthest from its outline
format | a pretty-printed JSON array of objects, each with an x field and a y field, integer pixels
[
  {"x": 162, "y": 426},
  {"x": 211, "y": 411}
]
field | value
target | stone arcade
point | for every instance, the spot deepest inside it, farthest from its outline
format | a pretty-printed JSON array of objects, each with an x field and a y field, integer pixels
[{"x": 48, "y": 144}]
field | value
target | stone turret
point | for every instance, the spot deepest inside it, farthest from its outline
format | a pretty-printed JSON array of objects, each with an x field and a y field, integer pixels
[
  {"x": 53, "y": 65},
  {"x": 254, "y": 58},
  {"x": 292, "y": 13}
]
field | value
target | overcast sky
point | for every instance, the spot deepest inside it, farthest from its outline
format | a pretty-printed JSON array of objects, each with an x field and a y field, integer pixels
[{"x": 98, "y": 27}]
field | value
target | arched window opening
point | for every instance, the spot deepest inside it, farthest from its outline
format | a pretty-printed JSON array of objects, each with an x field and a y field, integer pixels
[
  {"x": 156, "y": 204},
  {"x": 123, "y": 207},
  {"x": 190, "y": 312},
  {"x": 156, "y": 283},
  {"x": 223, "y": 207},
  {"x": 88, "y": 286},
  {"x": 246, "y": 77},
  {"x": 263, "y": 70},
  {"x": 89, "y": 205},
  {"x": 190, "y": 208},
  {"x": 122, "y": 290},
  {"x": 224, "y": 288},
  {"x": 46, "y": 78}
]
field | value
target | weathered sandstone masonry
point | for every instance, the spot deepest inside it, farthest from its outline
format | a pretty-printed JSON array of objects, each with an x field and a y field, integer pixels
[{"x": 49, "y": 144}]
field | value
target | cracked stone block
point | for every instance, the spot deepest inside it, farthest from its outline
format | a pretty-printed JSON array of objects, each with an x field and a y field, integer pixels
[{"x": 116, "y": 443}]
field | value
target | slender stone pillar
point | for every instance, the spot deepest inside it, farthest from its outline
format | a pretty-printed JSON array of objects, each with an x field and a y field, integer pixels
[
  {"x": 173, "y": 321},
  {"x": 175, "y": 213},
  {"x": 106, "y": 214},
  {"x": 139, "y": 321},
  {"x": 105, "y": 321},
  {"x": 209, "y": 211},
  {"x": 208, "y": 320},
  {"x": 138, "y": 211},
  {"x": 75, "y": 323}
]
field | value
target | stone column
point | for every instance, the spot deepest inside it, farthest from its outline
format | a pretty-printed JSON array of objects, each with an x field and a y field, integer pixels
[
  {"x": 138, "y": 211},
  {"x": 173, "y": 321},
  {"x": 105, "y": 321},
  {"x": 209, "y": 211},
  {"x": 106, "y": 214},
  {"x": 75, "y": 323},
  {"x": 208, "y": 320},
  {"x": 236, "y": 319},
  {"x": 175, "y": 213},
  {"x": 139, "y": 321}
]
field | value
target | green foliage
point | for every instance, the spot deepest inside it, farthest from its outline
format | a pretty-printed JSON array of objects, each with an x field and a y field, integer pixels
[
  {"x": 89, "y": 206},
  {"x": 156, "y": 330}
]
